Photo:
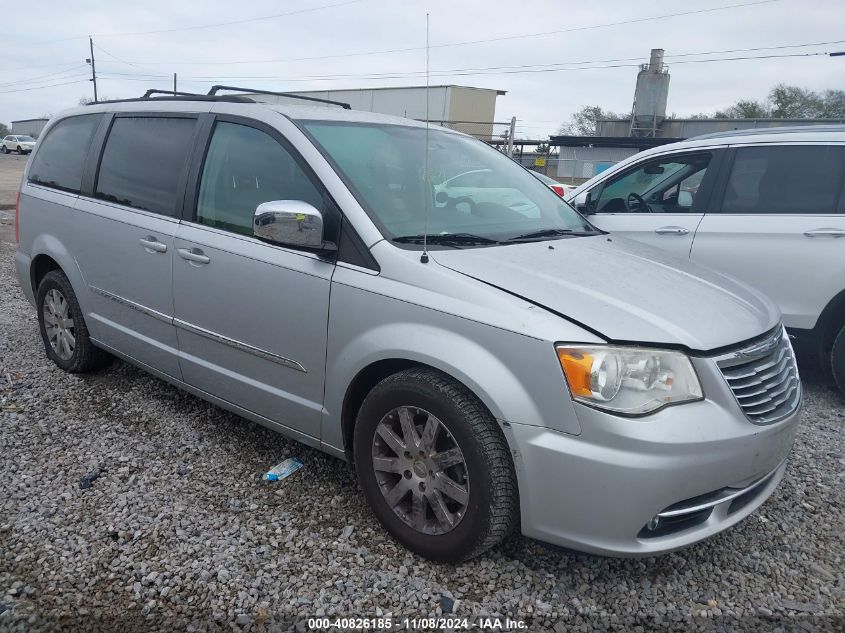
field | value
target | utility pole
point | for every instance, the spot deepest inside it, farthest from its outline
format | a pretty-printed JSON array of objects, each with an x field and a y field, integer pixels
[
  {"x": 90, "y": 60},
  {"x": 174, "y": 82},
  {"x": 510, "y": 136}
]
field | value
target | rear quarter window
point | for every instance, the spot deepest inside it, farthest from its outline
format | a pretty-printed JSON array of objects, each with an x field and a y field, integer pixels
[{"x": 60, "y": 159}]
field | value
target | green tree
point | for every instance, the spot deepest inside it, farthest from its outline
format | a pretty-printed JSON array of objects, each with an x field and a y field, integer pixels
[
  {"x": 786, "y": 102},
  {"x": 4, "y": 129},
  {"x": 793, "y": 102},
  {"x": 744, "y": 109},
  {"x": 584, "y": 122},
  {"x": 833, "y": 104}
]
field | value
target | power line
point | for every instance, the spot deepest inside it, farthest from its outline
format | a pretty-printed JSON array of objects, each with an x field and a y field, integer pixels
[
  {"x": 472, "y": 42},
  {"x": 67, "y": 83},
  {"x": 507, "y": 69},
  {"x": 41, "y": 78},
  {"x": 213, "y": 25},
  {"x": 458, "y": 72}
]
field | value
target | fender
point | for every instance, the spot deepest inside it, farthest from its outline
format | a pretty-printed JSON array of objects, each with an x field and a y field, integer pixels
[{"x": 517, "y": 377}]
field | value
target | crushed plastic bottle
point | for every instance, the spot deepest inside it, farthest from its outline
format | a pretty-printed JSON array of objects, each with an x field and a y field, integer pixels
[{"x": 284, "y": 469}]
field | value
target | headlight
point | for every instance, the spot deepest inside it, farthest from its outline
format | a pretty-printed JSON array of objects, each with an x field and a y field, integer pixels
[{"x": 628, "y": 380}]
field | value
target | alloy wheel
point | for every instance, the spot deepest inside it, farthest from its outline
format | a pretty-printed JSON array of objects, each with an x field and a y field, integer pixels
[
  {"x": 420, "y": 470},
  {"x": 59, "y": 325}
]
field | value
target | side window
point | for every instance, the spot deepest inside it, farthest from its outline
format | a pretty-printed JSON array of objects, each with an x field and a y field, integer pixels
[
  {"x": 60, "y": 159},
  {"x": 143, "y": 162},
  {"x": 665, "y": 185},
  {"x": 785, "y": 179},
  {"x": 245, "y": 167}
]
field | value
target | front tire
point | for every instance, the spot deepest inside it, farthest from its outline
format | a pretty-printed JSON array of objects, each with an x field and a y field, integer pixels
[
  {"x": 434, "y": 466},
  {"x": 837, "y": 361},
  {"x": 63, "y": 329},
  {"x": 20, "y": 150}
]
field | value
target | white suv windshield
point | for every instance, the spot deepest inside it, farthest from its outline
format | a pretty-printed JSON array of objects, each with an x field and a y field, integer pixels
[
  {"x": 472, "y": 191},
  {"x": 26, "y": 138}
]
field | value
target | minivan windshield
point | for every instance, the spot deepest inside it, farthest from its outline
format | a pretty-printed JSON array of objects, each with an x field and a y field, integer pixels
[{"x": 475, "y": 195}]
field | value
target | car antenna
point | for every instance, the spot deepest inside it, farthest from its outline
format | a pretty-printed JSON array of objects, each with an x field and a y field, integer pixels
[{"x": 424, "y": 256}]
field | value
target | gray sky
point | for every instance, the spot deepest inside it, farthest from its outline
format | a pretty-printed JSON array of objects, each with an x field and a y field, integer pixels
[{"x": 46, "y": 43}]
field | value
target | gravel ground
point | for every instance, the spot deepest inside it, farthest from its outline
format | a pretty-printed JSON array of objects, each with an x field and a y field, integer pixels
[{"x": 179, "y": 532}]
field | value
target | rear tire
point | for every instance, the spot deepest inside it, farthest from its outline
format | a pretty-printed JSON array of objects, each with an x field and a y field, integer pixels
[
  {"x": 837, "y": 361},
  {"x": 4, "y": 149},
  {"x": 461, "y": 496},
  {"x": 63, "y": 328}
]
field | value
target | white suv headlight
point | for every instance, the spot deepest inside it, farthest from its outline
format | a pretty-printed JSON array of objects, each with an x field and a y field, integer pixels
[{"x": 628, "y": 380}]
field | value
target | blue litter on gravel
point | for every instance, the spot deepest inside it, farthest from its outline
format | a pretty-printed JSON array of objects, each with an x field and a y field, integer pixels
[{"x": 284, "y": 469}]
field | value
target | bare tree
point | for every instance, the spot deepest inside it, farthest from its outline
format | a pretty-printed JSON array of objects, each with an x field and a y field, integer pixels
[{"x": 584, "y": 122}]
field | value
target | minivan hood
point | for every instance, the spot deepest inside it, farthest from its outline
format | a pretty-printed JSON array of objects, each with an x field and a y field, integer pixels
[{"x": 622, "y": 290}]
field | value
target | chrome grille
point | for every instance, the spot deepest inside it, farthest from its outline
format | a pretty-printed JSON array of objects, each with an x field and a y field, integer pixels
[{"x": 764, "y": 378}]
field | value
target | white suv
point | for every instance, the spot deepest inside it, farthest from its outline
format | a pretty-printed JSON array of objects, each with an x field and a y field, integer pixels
[
  {"x": 20, "y": 143},
  {"x": 764, "y": 206}
]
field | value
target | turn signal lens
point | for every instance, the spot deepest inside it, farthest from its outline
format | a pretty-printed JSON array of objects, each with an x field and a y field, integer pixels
[{"x": 628, "y": 380}]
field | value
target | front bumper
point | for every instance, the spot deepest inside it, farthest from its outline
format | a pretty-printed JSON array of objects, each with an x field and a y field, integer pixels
[{"x": 703, "y": 465}]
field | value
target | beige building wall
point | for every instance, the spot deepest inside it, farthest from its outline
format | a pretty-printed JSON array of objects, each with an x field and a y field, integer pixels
[{"x": 472, "y": 104}]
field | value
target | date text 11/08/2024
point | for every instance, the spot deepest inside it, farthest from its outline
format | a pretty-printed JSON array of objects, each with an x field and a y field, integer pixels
[{"x": 386, "y": 623}]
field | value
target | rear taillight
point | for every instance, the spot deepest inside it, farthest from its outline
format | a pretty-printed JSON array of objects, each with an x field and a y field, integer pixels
[
  {"x": 18, "y": 218},
  {"x": 558, "y": 189}
]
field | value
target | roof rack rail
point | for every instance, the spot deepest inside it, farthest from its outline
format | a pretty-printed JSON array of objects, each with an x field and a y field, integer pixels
[
  {"x": 174, "y": 93},
  {"x": 832, "y": 126},
  {"x": 170, "y": 95},
  {"x": 213, "y": 92}
]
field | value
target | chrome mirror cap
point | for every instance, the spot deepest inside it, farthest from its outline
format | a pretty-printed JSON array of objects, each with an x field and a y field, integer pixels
[{"x": 289, "y": 223}]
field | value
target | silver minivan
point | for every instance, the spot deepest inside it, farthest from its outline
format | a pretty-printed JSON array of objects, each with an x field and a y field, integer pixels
[{"x": 488, "y": 362}]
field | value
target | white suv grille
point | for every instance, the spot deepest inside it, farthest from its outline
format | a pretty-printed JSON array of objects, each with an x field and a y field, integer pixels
[{"x": 764, "y": 378}]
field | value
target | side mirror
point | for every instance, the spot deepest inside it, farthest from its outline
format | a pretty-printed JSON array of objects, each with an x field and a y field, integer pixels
[
  {"x": 290, "y": 223},
  {"x": 583, "y": 202},
  {"x": 685, "y": 199}
]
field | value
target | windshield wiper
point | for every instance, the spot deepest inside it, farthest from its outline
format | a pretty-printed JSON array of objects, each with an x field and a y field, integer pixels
[
  {"x": 552, "y": 233},
  {"x": 447, "y": 239}
]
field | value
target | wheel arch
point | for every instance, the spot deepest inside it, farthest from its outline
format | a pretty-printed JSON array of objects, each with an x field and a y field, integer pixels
[
  {"x": 364, "y": 382},
  {"x": 830, "y": 321},
  {"x": 49, "y": 253},
  {"x": 39, "y": 267}
]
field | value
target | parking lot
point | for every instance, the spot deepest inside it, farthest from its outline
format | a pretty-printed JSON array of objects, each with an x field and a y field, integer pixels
[{"x": 178, "y": 530}]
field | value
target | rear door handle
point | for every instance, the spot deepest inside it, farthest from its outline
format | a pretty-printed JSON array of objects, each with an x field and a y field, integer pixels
[
  {"x": 825, "y": 233},
  {"x": 152, "y": 244},
  {"x": 193, "y": 255},
  {"x": 671, "y": 230}
]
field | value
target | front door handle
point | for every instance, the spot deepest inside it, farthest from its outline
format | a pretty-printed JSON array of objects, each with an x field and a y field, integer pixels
[
  {"x": 671, "y": 230},
  {"x": 825, "y": 233},
  {"x": 193, "y": 255},
  {"x": 152, "y": 244}
]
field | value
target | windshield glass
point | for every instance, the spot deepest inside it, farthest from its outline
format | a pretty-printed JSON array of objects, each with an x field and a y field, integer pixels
[
  {"x": 473, "y": 190},
  {"x": 25, "y": 138}
]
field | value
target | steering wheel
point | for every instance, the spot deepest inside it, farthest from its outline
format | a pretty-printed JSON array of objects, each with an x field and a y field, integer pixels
[
  {"x": 452, "y": 203},
  {"x": 642, "y": 204}
]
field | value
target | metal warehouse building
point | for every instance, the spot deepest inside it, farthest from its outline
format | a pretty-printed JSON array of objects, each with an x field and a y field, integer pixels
[
  {"x": 31, "y": 127},
  {"x": 463, "y": 108}
]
